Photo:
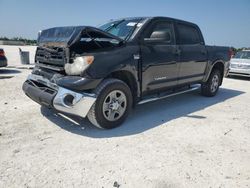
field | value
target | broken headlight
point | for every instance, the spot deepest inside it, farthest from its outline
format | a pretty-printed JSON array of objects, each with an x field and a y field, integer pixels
[{"x": 79, "y": 65}]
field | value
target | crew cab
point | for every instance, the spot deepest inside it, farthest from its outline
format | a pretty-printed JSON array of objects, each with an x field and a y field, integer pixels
[{"x": 101, "y": 73}]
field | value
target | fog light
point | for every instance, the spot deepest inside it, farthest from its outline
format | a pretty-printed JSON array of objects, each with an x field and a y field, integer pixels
[{"x": 69, "y": 100}]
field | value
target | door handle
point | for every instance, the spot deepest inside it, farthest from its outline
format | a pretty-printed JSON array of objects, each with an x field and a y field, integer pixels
[
  {"x": 177, "y": 52},
  {"x": 204, "y": 52}
]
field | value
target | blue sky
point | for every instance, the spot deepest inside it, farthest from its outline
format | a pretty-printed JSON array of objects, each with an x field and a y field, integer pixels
[{"x": 223, "y": 22}]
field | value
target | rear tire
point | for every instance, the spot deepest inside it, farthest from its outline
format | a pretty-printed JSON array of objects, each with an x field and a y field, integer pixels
[
  {"x": 211, "y": 87},
  {"x": 112, "y": 106}
]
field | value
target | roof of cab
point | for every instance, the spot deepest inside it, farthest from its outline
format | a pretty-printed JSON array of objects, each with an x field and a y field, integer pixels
[{"x": 156, "y": 17}]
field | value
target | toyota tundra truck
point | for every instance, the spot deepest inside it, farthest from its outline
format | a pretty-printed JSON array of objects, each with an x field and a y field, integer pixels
[{"x": 101, "y": 73}]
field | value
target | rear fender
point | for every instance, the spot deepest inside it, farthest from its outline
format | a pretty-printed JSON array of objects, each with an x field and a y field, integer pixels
[{"x": 211, "y": 66}]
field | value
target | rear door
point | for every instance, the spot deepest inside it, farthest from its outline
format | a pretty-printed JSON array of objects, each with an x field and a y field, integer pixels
[
  {"x": 159, "y": 59},
  {"x": 193, "y": 53}
]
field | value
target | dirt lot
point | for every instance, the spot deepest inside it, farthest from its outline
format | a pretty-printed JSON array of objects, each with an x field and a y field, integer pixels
[{"x": 183, "y": 141}]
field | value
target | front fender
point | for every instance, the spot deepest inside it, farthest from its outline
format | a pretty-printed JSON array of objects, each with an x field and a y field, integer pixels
[
  {"x": 118, "y": 59},
  {"x": 77, "y": 83}
]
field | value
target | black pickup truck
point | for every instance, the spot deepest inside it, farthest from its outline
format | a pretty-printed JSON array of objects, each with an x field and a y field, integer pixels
[{"x": 103, "y": 72}]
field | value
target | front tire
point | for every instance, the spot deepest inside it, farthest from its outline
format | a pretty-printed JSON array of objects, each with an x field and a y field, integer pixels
[
  {"x": 211, "y": 87},
  {"x": 112, "y": 106}
]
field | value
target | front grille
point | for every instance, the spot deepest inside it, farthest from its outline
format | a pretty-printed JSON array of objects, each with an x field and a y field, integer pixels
[
  {"x": 54, "y": 56},
  {"x": 240, "y": 66}
]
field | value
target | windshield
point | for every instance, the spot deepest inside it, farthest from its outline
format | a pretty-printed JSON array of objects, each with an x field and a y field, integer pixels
[
  {"x": 242, "y": 55},
  {"x": 121, "y": 28}
]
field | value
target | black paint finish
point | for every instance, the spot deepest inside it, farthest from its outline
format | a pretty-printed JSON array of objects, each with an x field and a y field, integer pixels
[{"x": 154, "y": 64}]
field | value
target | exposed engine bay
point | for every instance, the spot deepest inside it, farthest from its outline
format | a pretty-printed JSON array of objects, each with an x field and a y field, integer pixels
[{"x": 67, "y": 50}]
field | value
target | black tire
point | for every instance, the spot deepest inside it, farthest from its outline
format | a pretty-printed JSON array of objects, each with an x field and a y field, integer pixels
[
  {"x": 98, "y": 116},
  {"x": 211, "y": 87}
]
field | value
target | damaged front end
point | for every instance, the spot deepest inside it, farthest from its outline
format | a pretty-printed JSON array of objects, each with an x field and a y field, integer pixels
[
  {"x": 59, "y": 79},
  {"x": 49, "y": 94},
  {"x": 69, "y": 49}
]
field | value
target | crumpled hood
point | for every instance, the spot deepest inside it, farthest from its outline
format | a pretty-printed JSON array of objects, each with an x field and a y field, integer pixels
[{"x": 66, "y": 36}]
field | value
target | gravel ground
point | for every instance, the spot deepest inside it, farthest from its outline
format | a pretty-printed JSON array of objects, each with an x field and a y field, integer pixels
[{"x": 183, "y": 141}]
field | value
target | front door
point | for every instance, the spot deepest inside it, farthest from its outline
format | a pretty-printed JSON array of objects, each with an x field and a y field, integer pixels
[{"x": 159, "y": 57}]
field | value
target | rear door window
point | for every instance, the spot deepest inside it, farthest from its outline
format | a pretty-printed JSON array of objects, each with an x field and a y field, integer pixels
[{"x": 188, "y": 34}]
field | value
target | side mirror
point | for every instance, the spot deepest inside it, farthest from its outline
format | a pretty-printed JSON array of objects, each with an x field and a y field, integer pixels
[{"x": 159, "y": 36}]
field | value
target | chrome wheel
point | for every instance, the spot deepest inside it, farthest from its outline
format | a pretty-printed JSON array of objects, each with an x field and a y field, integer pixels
[
  {"x": 215, "y": 83},
  {"x": 114, "y": 105}
]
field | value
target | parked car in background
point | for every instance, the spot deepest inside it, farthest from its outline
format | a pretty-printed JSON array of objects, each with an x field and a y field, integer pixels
[
  {"x": 3, "y": 59},
  {"x": 240, "y": 64}
]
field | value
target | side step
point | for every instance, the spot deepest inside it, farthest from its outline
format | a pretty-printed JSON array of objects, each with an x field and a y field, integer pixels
[{"x": 166, "y": 95}]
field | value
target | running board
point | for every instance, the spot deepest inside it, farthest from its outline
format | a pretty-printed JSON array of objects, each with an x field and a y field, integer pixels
[{"x": 192, "y": 88}]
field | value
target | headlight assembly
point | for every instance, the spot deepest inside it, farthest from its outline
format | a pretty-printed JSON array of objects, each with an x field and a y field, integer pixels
[{"x": 79, "y": 65}]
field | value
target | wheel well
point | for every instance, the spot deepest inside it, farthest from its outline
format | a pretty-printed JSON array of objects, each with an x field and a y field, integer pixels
[
  {"x": 129, "y": 79},
  {"x": 219, "y": 66}
]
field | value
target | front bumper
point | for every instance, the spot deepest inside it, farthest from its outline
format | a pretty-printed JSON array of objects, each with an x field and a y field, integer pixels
[
  {"x": 239, "y": 72},
  {"x": 44, "y": 92}
]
